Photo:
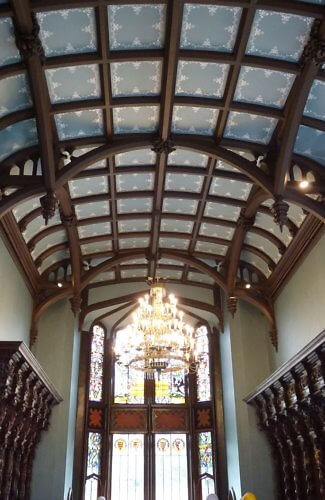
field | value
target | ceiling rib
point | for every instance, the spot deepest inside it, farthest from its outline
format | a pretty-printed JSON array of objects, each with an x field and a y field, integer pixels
[{"x": 173, "y": 33}]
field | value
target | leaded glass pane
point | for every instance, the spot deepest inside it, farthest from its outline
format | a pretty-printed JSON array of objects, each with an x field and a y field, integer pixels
[
  {"x": 170, "y": 388},
  {"x": 206, "y": 462},
  {"x": 171, "y": 466},
  {"x": 93, "y": 465},
  {"x": 203, "y": 371},
  {"x": 96, "y": 364},
  {"x": 128, "y": 467},
  {"x": 128, "y": 382}
]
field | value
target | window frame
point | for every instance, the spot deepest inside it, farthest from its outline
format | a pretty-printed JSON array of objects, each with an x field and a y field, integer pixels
[{"x": 107, "y": 403}]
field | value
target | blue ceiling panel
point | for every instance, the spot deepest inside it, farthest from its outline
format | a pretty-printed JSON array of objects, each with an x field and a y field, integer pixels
[
  {"x": 92, "y": 209},
  {"x": 177, "y": 226},
  {"x": 230, "y": 188},
  {"x": 134, "y": 205},
  {"x": 278, "y": 35},
  {"x": 210, "y": 27},
  {"x": 179, "y": 206},
  {"x": 134, "y": 225},
  {"x": 136, "y": 27},
  {"x": 249, "y": 127},
  {"x": 14, "y": 94},
  {"x": 76, "y": 124},
  {"x": 315, "y": 105},
  {"x": 319, "y": 2},
  {"x": 96, "y": 247},
  {"x": 187, "y": 158},
  {"x": 135, "y": 157},
  {"x": 263, "y": 86},
  {"x": 255, "y": 261},
  {"x": 264, "y": 245},
  {"x": 98, "y": 229},
  {"x": 25, "y": 208},
  {"x": 216, "y": 231},
  {"x": 265, "y": 221},
  {"x": 184, "y": 182},
  {"x": 73, "y": 83},
  {"x": 134, "y": 182},
  {"x": 137, "y": 78},
  {"x": 201, "y": 79},
  {"x": 310, "y": 142},
  {"x": 194, "y": 120},
  {"x": 134, "y": 243},
  {"x": 9, "y": 53},
  {"x": 88, "y": 186},
  {"x": 133, "y": 120},
  {"x": 221, "y": 211},
  {"x": 18, "y": 136},
  {"x": 213, "y": 248},
  {"x": 68, "y": 31},
  {"x": 174, "y": 243}
]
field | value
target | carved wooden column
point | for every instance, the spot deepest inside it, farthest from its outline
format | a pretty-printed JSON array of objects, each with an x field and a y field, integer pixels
[
  {"x": 26, "y": 401},
  {"x": 291, "y": 409}
]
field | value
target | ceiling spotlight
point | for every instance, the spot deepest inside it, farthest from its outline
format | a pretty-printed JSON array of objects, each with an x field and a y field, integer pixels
[
  {"x": 59, "y": 284},
  {"x": 303, "y": 184},
  {"x": 248, "y": 286}
]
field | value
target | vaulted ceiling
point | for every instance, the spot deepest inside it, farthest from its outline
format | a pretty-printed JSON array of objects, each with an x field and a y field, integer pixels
[{"x": 163, "y": 137}]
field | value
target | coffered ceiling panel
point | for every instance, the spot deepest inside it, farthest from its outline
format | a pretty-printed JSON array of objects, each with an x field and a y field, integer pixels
[
  {"x": 79, "y": 124},
  {"x": 38, "y": 224},
  {"x": 266, "y": 222},
  {"x": 134, "y": 225},
  {"x": 187, "y": 158},
  {"x": 213, "y": 248},
  {"x": 136, "y": 157},
  {"x": 92, "y": 209},
  {"x": 53, "y": 259},
  {"x": 101, "y": 228},
  {"x": 184, "y": 182},
  {"x": 175, "y": 243},
  {"x": 250, "y": 127},
  {"x": 230, "y": 188},
  {"x": 134, "y": 182},
  {"x": 315, "y": 105},
  {"x": 14, "y": 94},
  {"x": 9, "y": 53},
  {"x": 263, "y": 86},
  {"x": 133, "y": 242},
  {"x": 88, "y": 186},
  {"x": 256, "y": 262},
  {"x": 73, "y": 83},
  {"x": 68, "y": 31},
  {"x": 278, "y": 35},
  {"x": 136, "y": 78},
  {"x": 179, "y": 206},
  {"x": 210, "y": 27},
  {"x": 109, "y": 276},
  {"x": 201, "y": 79},
  {"x": 137, "y": 119},
  {"x": 134, "y": 205},
  {"x": 221, "y": 211},
  {"x": 134, "y": 273},
  {"x": 200, "y": 278},
  {"x": 263, "y": 244},
  {"x": 18, "y": 136},
  {"x": 310, "y": 142},
  {"x": 176, "y": 226},
  {"x": 194, "y": 120},
  {"x": 215, "y": 231},
  {"x": 136, "y": 26},
  {"x": 49, "y": 241},
  {"x": 96, "y": 247}
]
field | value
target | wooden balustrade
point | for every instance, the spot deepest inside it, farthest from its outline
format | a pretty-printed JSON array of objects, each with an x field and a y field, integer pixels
[
  {"x": 291, "y": 406},
  {"x": 26, "y": 401}
]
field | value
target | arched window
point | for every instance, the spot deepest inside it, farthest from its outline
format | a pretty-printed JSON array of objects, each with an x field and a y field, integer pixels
[{"x": 148, "y": 438}]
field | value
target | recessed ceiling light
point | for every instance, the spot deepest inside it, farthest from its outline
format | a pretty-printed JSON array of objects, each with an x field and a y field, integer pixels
[
  {"x": 248, "y": 286},
  {"x": 59, "y": 284},
  {"x": 304, "y": 184}
]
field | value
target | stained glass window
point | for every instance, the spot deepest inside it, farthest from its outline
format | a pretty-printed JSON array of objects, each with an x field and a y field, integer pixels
[
  {"x": 171, "y": 466},
  {"x": 127, "y": 467},
  {"x": 96, "y": 364},
  {"x": 203, "y": 372},
  {"x": 206, "y": 462},
  {"x": 128, "y": 382},
  {"x": 93, "y": 465},
  {"x": 170, "y": 388}
]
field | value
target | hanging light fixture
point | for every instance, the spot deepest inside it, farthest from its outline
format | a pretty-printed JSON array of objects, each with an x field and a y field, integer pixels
[{"x": 158, "y": 340}]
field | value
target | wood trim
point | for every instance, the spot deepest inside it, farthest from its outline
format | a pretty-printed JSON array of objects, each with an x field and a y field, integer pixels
[{"x": 287, "y": 366}]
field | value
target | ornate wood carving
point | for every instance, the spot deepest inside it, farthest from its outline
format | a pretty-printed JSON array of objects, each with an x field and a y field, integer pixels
[
  {"x": 26, "y": 401},
  {"x": 291, "y": 409}
]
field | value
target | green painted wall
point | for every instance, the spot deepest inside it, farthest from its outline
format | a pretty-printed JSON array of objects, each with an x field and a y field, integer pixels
[
  {"x": 15, "y": 300},
  {"x": 300, "y": 308},
  {"x": 245, "y": 363},
  {"x": 57, "y": 349}
]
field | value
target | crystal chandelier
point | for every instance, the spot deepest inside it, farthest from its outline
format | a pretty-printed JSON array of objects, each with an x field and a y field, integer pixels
[{"x": 158, "y": 340}]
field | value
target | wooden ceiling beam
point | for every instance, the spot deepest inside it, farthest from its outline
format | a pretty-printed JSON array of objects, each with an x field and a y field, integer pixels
[
  {"x": 293, "y": 115},
  {"x": 245, "y": 222},
  {"x": 25, "y": 29},
  {"x": 173, "y": 26},
  {"x": 240, "y": 47}
]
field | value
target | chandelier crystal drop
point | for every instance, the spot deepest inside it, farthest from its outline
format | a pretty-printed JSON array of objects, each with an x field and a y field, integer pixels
[{"x": 158, "y": 340}]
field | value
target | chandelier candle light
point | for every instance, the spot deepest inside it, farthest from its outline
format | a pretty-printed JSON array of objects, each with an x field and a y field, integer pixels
[{"x": 158, "y": 340}]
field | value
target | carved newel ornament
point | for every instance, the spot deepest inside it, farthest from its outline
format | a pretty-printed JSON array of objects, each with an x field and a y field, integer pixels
[
  {"x": 291, "y": 409},
  {"x": 26, "y": 401}
]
